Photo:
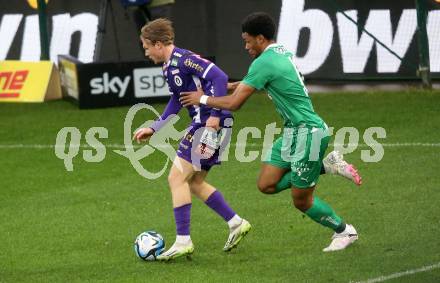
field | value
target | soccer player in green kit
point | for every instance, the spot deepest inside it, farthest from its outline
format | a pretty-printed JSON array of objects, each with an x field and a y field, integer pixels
[{"x": 295, "y": 159}]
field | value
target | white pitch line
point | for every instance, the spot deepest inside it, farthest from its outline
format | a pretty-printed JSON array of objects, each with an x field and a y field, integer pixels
[
  {"x": 401, "y": 274},
  {"x": 249, "y": 145}
]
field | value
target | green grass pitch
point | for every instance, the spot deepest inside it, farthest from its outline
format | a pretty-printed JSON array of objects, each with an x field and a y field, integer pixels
[{"x": 59, "y": 226}]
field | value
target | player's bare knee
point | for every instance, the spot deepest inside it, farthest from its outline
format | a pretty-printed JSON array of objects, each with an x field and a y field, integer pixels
[
  {"x": 302, "y": 204},
  {"x": 265, "y": 187},
  {"x": 175, "y": 178},
  {"x": 195, "y": 186},
  {"x": 299, "y": 204},
  {"x": 171, "y": 180}
]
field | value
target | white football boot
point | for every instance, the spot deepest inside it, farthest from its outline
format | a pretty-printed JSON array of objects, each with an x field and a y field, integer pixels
[
  {"x": 177, "y": 250},
  {"x": 342, "y": 240},
  {"x": 334, "y": 163},
  {"x": 237, "y": 234}
]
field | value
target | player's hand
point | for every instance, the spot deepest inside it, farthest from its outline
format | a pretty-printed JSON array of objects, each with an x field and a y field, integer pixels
[
  {"x": 232, "y": 86},
  {"x": 191, "y": 98},
  {"x": 213, "y": 122},
  {"x": 143, "y": 134}
]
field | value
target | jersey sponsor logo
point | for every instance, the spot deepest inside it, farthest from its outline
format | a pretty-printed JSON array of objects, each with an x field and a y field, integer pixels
[
  {"x": 174, "y": 62},
  {"x": 12, "y": 82},
  {"x": 191, "y": 64},
  {"x": 177, "y": 54},
  {"x": 178, "y": 80},
  {"x": 280, "y": 49},
  {"x": 176, "y": 71}
]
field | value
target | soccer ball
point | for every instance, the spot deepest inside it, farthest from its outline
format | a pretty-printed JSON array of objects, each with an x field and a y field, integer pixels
[{"x": 148, "y": 245}]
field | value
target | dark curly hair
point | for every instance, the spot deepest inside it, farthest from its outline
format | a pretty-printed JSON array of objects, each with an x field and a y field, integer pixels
[{"x": 259, "y": 23}]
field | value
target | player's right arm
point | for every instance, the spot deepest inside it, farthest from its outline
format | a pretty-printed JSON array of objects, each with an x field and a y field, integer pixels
[
  {"x": 173, "y": 107},
  {"x": 231, "y": 102},
  {"x": 233, "y": 86},
  {"x": 234, "y": 101},
  {"x": 258, "y": 76}
]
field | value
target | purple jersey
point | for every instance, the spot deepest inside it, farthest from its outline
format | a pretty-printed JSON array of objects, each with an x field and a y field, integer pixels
[{"x": 185, "y": 71}]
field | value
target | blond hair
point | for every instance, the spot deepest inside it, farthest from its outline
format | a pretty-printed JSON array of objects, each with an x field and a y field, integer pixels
[{"x": 160, "y": 30}]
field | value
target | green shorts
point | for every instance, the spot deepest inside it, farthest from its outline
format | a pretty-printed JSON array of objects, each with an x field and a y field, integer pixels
[{"x": 300, "y": 149}]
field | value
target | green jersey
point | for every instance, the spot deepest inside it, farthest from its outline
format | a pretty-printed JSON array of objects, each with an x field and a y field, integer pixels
[{"x": 275, "y": 72}]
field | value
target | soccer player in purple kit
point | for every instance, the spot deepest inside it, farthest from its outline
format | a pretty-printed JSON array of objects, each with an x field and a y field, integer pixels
[{"x": 186, "y": 71}]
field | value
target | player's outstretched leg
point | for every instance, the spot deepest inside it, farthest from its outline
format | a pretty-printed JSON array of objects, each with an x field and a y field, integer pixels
[
  {"x": 237, "y": 231},
  {"x": 342, "y": 240},
  {"x": 238, "y": 227},
  {"x": 334, "y": 163},
  {"x": 176, "y": 250},
  {"x": 273, "y": 180},
  {"x": 322, "y": 213},
  {"x": 180, "y": 172}
]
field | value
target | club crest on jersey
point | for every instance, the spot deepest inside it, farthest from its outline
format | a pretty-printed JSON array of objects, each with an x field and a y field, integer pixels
[
  {"x": 191, "y": 64},
  {"x": 178, "y": 80}
]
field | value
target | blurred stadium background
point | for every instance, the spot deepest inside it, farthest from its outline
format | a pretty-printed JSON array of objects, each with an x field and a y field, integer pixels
[{"x": 80, "y": 64}]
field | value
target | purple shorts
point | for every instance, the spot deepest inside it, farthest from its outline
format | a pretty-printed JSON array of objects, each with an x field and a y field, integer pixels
[{"x": 202, "y": 147}]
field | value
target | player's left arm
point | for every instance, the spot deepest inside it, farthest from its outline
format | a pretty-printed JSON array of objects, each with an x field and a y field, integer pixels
[{"x": 219, "y": 81}]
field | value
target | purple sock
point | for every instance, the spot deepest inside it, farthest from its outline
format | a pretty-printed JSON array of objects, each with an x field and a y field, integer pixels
[
  {"x": 219, "y": 205},
  {"x": 182, "y": 215}
]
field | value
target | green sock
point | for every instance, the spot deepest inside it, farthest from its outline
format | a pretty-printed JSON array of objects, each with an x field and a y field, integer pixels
[
  {"x": 322, "y": 213},
  {"x": 284, "y": 183}
]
